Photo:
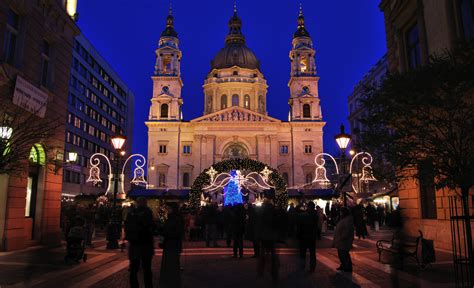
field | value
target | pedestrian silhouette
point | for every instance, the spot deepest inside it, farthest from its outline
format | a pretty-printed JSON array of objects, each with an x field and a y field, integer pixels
[
  {"x": 139, "y": 229},
  {"x": 343, "y": 238},
  {"x": 307, "y": 234},
  {"x": 268, "y": 234},
  {"x": 173, "y": 233}
]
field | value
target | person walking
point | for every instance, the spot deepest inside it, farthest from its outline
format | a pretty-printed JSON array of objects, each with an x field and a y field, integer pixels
[
  {"x": 251, "y": 230},
  {"x": 139, "y": 229},
  {"x": 210, "y": 224},
  {"x": 359, "y": 221},
  {"x": 343, "y": 238},
  {"x": 268, "y": 234},
  {"x": 238, "y": 229},
  {"x": 173, "y": 233},
  {"x": 321, "y": 220},
  {"x": 307, "y": 233}
]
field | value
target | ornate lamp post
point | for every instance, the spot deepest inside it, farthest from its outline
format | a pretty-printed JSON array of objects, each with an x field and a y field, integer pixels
[
  {"x": 113, "y": 228},
  {"x": 343, "y": 140}
]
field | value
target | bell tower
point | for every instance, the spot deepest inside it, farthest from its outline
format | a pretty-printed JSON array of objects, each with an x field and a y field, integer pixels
[
  {"x": 304, "y": 95},
  {"x": 167, "y": 84}
]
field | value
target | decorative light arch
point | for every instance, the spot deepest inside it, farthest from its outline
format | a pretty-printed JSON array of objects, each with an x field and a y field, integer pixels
[
  {"x": 204, "y": 179},
  {"x": 37, "y": 155}
]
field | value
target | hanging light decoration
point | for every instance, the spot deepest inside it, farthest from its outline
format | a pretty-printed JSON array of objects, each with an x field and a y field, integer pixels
[
  {"x": 321, "y": 172},
  {"x": 94, "y": 175}
]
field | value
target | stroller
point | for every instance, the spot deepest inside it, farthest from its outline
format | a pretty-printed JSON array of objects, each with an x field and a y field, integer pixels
[{"x": 76, "y": 243}]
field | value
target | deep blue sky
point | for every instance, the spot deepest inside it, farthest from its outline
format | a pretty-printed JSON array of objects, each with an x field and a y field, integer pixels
[{"x": 348, "y": 36}]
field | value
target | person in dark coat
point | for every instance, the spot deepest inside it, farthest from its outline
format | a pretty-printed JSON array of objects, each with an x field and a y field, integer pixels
[
  {"x": 251, "y": 230},
  {"x": 173, "y": 233},
  {"x": 268, "y": 228},
  {"x": 238, "y": 229},
  {"x": 210, "y": 224},
  {"x": 139, "y": 229},
  {"x": 343, "y": 239},
  {"x": 359, "y": 221},
  {"x": 227, "y": 219},
  {"x": 307, "y": 234}
]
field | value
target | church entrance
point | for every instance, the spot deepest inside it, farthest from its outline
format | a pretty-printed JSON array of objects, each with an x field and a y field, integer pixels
[{"x": 236, "y": 181}]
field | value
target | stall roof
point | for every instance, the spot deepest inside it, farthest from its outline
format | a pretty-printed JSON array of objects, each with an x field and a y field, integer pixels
[{"x": 159, "y": 193}]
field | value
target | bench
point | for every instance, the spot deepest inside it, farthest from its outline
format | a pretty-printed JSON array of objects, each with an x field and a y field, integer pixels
[{"x": 406, "y": 247}]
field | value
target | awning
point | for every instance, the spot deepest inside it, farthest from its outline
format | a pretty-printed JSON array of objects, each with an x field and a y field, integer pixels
[
  {"x": 312, "y": 193},
  {"x": 159, "y": 193}
]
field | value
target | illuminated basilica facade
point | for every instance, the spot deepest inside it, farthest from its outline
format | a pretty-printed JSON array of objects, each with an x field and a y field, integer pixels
[{"x": 235, "y": 122}]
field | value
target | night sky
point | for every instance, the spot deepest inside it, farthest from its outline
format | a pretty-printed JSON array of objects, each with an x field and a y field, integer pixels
[{"x": 349, "y": 38}]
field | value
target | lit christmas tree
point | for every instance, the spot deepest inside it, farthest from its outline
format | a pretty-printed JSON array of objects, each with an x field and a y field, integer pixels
[{"x": 232, "y": 195}]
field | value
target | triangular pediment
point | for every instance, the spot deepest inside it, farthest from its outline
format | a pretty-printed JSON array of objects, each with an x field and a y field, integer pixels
[{"x": 235, "y": 114}]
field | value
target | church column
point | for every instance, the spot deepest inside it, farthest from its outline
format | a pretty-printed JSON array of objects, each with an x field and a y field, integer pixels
[
  {"x": 261, "y": 147},
  {"x": 274, "y": 150}
]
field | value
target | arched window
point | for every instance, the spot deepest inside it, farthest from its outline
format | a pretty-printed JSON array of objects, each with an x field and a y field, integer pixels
[
  {"x": 247, "y": 101},
  {"x": 223, "y": 101},
  {"x": 164, "y": 111},
  {"x": 235, "y": 100},
  {"x": 306, "y": 111},
  {"x": 261, "y": 104},
  {"x": 304, "y": 64},
  {"x": 185, "y": 179}
]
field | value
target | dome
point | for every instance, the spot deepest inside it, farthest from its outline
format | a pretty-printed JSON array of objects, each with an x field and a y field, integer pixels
[{"x": 235, "y": 54}]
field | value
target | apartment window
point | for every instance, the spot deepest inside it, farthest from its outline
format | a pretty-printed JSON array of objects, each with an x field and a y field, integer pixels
[
  {"x": 187, "y": 149},
  {"x": 11, "y": 37},
  {"x": 307, "y": 111},
  {"x": 467, "y": 18},
  {"x": 247, "y": 101},
  {"x": 161, "y": 180},
  {"x": 46, "y": 64},
  {"x": 308, "y": 149},
  {"x": 164, "y": 111},
  {"x": 162, "y": 149},
  {"x": 235, "y": 100},
  {"x": 185, "y": 179},
  {"x": 223, "y": 101},
  {"x": 413, "y": 47},
  {"x": 77, "y": 122},
  {"x": 427, "y": 189},
  {"x": 284, "y": 149}
]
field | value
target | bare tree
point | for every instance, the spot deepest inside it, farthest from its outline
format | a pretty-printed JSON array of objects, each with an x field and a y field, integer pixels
[{"x": 428, "y": 115}]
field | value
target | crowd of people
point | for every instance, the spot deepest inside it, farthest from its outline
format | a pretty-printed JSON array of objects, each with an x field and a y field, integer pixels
[{"x": 264, "y": 226}]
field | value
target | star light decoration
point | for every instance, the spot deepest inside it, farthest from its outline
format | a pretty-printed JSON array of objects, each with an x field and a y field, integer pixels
[{"x": 251, "y": 180}]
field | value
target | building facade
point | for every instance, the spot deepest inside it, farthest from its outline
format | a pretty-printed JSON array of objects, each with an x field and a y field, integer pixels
[
  {"x": 415, "y": 30},
  {"x": 100, "y": 106},
  {"x": 356, "y": 109},
  {"x": 36, "y": 42},
  {"x": 235, "y": 122}
]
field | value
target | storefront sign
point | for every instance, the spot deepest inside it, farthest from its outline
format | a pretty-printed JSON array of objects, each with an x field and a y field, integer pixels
[{"x": 29, "y": 97}]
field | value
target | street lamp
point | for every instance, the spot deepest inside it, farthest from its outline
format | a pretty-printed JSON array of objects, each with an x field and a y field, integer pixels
[
  {"x": 343, "y": 140},
  {"x": 113, "y": 228}
]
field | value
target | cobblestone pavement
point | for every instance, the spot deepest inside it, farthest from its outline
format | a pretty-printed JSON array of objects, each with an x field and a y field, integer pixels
[{"x": 214, "y": 267}]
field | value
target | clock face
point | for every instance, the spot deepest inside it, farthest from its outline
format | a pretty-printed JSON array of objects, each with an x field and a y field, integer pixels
[
  {"x": 165, "y": 89},
  {"x": 305, "y": 89}
]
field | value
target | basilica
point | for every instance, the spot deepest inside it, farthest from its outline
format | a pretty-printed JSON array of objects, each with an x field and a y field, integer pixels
[{"x": 235, "y": 122}]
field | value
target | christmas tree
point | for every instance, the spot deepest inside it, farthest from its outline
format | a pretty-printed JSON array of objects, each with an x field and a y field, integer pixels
[{"x": 232, "y": 195}]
